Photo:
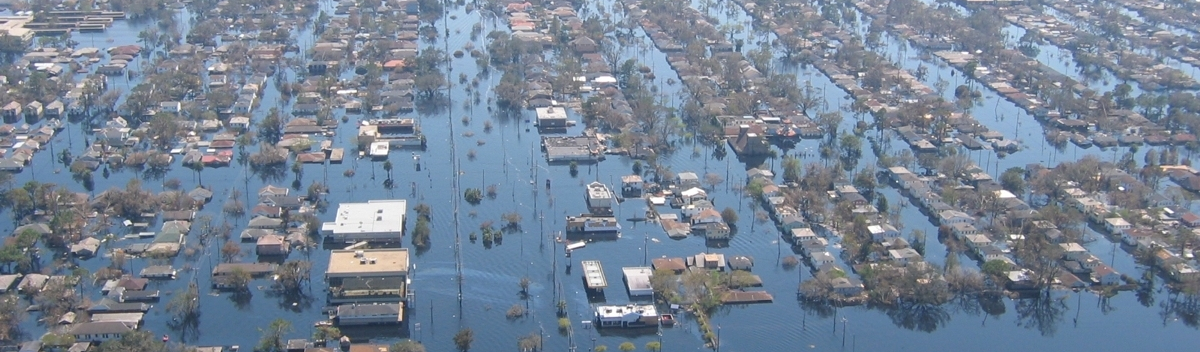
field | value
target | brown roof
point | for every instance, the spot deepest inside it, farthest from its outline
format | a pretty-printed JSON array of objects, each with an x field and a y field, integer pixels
[{"x": 672, "y": 264}]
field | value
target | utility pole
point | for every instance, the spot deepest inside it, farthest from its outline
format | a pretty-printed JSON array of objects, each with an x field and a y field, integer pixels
[{"x": 843, "y": 332}]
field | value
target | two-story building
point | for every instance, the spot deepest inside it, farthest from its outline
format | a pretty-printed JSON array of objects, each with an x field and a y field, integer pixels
[
  {"x": 368, "y": 275},
  {"x": 373, "y": 221}
]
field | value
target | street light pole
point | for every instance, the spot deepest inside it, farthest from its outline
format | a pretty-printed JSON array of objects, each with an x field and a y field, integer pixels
[
  {"x": 843, "y": 332},
  {"x": 718, "y": 338}
]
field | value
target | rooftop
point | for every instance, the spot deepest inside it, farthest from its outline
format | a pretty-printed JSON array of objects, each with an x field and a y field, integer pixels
[
  {"x": 638, "y": 279},
  {"x": 597, "y": 190},
  {"x": 551, "y": 113},
  {"x": 368, "y": 262},
  {"x": 593, "y": 273},
  {"x": 613, "y": 312},
  {"x": 355, "y": 310},
  {"x": 374, "y": 216}
]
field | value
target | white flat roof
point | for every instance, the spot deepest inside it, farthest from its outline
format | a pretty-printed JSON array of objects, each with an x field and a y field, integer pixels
[
  {"x": 375, "y": 216},
  {"x": 551, "y": 113},
  {"x": 637, "y": 279},
  {"x": 378, "y": 262},
  {"x": 616, "y": 312}
]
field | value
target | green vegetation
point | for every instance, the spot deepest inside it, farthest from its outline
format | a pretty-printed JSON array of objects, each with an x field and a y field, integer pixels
[
  {"x": 654, "y": 346},
  {"x": 729, "y": 216},
  {"x": 473, "y": 196},
  {"x": 564, "y": 324},
  {"x": 626, "y": 346},
  {"x": 514, "y": 312},
  {"x": 1013, "y": 180},
  {"x": 327, "y": 333},
  {"x": 531, "y": 342},
  {"x": 421, "y": 233},
  {"x": 133, "y": 341},
  {"x": 273, "y": 336},
  {"x": 463, "y": 339},
  {"x": 407, "y": 346}
]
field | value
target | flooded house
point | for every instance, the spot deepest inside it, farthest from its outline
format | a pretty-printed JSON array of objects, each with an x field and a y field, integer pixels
[
  {"x": 632, "y": 185},
  {"x": 271, "y": 245}
]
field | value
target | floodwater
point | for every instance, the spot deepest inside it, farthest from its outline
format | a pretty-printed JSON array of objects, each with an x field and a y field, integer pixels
[{"x": 508, "y": 157}]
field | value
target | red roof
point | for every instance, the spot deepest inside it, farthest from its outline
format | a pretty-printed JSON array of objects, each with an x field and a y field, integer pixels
[
  {"x": 210, "y": 160},
  {"x": 1190, "y": 218}
]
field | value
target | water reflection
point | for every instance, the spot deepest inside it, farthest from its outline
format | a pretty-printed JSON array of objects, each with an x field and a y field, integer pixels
[
  {"x": 919, "y": 317},
  {"x": 1042, "y": 313},
  {"x": 188, "y": 328},
  {"x": 1181, "y": 306},
  {"x": 241, "y": 299}
]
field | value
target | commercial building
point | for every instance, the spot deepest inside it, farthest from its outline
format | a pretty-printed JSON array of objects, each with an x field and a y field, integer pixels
[
  {"x": 368, "y": 276},
  {"x": 637, "y": 280},
  {"x": 373, "y": 221},
  {"x": 627, "y": 316},
  {"x": 551, "y": 117},
  {"x": 369, "y": 314}
]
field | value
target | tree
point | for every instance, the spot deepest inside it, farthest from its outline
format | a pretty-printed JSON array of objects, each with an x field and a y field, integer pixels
[
  {"x": 186, "y": 305},
  {"x": 730, "y": 216},
  {"x": 270, "y": 129},
  {"x": 463, "y": 339},
  {"x": 293, "y": 274},
  {"x": 473, "y": 196},
  {"x": 272, "y": 336},
  {"x": 387, "y": 166},
  {"x": 198, "y": 167},
  {"x": 531, "y": 342},
  {"x": 995, "y": 268},
  {"x": 230, "y": 251},
  {"x": 11, "y": 315},
  {"x": 428, "y": 78},
  {"x": 133, "y": 341},
  {"x": 512, "y": 220},
  {"x": 421, "y": 233},
  {"x": 1013, "y": 180},
  {"x": 163, "y": 130},
  {"x": 239, "y": 280},
  {"x": 713, "y": 180},
  {"x": 327, "y": 333},
  {"x": 791, "y": 169},
  {"x": 407, "y": 346},
  {"x": 524, "y": 284},
  {"x": 626, "y": 346},
  {"x": 654, "y": 346},
  {"x": 664, "y": 284}
]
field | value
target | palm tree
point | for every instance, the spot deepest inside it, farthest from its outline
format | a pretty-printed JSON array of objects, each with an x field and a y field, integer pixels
[
  {"x": 198, "y": 167},
  {"x": 387, "y": 166}
]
